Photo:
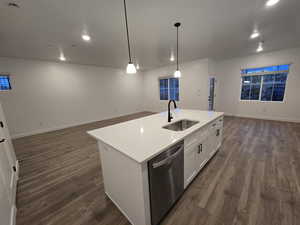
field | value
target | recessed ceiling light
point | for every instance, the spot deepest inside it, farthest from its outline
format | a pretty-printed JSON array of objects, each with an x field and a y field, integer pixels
[
  {"x": 86, "y": 37},
  {"x": 255, "y": 34},
  {"x": 62, "y": 58},
  {"x": 271, "y": 2}
]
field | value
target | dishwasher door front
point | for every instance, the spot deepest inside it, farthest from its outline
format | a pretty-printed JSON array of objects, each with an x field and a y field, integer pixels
[{"x": 166, "y": 181}]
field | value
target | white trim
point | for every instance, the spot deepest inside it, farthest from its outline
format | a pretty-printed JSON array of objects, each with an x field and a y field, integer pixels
[
  {"x": 13, "y": 215},
  {"x": 293, "y": 120}
]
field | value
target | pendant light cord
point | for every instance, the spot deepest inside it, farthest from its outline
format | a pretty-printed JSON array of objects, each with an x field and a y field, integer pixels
[
  {"x": 129, "y": 53},
  {"x": 177, "y": 50}
]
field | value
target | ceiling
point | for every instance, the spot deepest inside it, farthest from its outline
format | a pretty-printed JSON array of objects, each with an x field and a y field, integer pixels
[{"x": 210, "y": 28}]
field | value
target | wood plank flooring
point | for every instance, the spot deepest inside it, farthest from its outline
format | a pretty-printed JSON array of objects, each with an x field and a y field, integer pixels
[{"x": 254, "y": 179}]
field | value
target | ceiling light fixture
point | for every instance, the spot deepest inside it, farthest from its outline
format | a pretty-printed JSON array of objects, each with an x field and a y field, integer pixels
[
  {"x": 270, "y": 3},
  {"x": 137, "y": 66},
  {"x": 86, "y": 37},
  {"x": 260, "y": 47},
  {"x": 255, "y": 34},
  {"x": 62, "y": 57},
  {"x": 130, "y": 67},
  {"x": 172, "y": 58},
  {"x": 177, "y": 73}
]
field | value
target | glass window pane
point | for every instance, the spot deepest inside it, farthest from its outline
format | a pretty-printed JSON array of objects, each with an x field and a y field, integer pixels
[
  {"x": 4, "y": 83},
  {"x": 266, "y": 93},
  {"x": 279, "y": 87},
  {"x": 255, "y": 90},
  {"x": 174, "y": 89},
  {"x": 246, "y": 80},
  {"x": 245, "y": 93},
  {"x": 266, "y": 69},
  {"x": 278, "y": 92},
  {"x": 267, "y": 89},
  {"x": 163, "y": 89},
  {"x": 255, "y": 87}
]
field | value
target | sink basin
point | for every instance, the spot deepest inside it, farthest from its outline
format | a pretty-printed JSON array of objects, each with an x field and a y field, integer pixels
[{"x": 181, "y": 125}]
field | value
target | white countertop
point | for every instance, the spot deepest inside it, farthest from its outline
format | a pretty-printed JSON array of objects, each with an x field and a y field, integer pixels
[{"x": 142, "y": 139}]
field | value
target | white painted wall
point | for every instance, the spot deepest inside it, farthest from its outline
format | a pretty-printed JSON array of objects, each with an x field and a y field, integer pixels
[
  {"x": 228, "y": 87},
  {"x": 193, "y": 86},
  {"x": 48, "y": 95}
]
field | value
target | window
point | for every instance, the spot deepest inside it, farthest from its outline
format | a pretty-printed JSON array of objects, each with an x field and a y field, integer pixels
[
  {"x": 265, "y": 83},
  {"x": 169, "y": 89},
  {"x": 4, "y": 83}
]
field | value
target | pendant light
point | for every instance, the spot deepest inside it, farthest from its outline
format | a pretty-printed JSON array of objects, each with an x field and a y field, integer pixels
[
  {"x": 177, "y": 73},
  {"x": 260, "y": 47},
  {"x": 130, "y": 67}
]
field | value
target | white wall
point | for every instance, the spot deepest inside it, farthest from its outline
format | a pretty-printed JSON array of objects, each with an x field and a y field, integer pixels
[
  {"x": 48, "y": 95},
  {"x": 229, "y": 80},
  {"x": 193, "y": 86}
]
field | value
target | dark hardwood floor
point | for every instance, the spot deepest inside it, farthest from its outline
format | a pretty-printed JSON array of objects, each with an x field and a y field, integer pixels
[{"x": 253, "y": 180}]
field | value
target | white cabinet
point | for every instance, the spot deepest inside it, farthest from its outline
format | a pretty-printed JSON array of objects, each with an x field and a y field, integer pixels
[
  {"x": 190, "y": 163},
  {"x": 200, "y": 147}
]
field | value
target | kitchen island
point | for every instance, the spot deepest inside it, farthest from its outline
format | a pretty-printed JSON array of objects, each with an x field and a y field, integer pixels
[{"x": 128, "y": 149}]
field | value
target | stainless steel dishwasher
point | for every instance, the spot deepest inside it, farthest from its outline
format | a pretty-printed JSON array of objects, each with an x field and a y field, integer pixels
[{"x": 165, "y": 181}]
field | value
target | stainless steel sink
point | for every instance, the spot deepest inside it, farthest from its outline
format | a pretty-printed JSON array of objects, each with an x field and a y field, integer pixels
[{"x": 181, "y": 125}]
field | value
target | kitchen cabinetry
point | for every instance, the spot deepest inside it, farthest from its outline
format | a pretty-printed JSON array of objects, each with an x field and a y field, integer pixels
[
  {"x": 200, "y": 147},
  {"x": 126, "y": 156}
]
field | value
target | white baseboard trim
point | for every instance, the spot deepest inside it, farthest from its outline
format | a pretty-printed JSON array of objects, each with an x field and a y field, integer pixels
[
  {"x": 45, "y": 130},
  {"x": 265, "y": 118},
  {"x": 13, "y": 215}
]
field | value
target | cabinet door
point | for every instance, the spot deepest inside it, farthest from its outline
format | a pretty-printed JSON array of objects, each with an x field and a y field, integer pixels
[
  {"x": 201, "y": 156},
  {"x": 189, "y": 164}
]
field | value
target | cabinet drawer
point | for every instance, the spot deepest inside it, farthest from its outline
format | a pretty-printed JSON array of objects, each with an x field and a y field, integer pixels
[{"x": 196, "y": 137}]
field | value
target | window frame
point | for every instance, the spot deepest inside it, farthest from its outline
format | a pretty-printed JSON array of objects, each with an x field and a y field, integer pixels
[
  {"x": 9, "y": 81},
  {"x": 261, "y": 84},
  {"x": 168, "y": 77}
]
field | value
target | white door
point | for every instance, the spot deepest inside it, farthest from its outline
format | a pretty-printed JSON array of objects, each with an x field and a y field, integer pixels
[
  {"x": 4, "y": 132},
  {"x": 8, "y": 175},
  {"x": 6, "y": 169},
  {"x": 211, "y": 94},
  {"x": 5, "y": 206}
]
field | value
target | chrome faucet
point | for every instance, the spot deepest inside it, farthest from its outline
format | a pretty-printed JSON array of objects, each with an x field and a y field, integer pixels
[{"x": 170, "y": 117}]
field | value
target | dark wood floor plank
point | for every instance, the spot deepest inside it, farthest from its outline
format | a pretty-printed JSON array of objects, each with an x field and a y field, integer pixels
[{"x": 254, "y": 179}]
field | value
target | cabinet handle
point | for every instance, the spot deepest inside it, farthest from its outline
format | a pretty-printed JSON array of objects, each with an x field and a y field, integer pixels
[
  {"x": 2, "y": 140},
  {"x": 199, "y": 148},
  {"x": 218, "y": 132},
  {"x": 1, "y": 124}
]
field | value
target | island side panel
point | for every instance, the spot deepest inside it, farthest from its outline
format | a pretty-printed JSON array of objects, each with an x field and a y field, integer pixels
[{"x": 126, "y": 184}]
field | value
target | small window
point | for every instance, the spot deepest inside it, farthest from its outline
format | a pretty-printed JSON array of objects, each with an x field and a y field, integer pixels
[
  {"x": 4, "y": 83},
  {"x": 169, "y": 89},
  {"x": 265, "y": 83}
]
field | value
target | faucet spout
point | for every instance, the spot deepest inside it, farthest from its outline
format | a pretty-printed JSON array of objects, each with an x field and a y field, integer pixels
[{"x": 170, "y": 117}]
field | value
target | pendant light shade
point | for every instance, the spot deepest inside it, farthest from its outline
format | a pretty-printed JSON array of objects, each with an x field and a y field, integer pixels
[
  {"x": 177, "y": 73},
  {"x": 130, "y": 67}
]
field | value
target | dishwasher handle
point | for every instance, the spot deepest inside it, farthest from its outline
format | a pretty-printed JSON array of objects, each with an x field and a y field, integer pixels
[{"x": 167, "y": 160}]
